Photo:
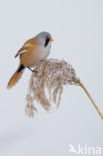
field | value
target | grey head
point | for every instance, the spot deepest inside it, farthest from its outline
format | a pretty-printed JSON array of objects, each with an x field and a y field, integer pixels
[{"x": 44, "y": 39}]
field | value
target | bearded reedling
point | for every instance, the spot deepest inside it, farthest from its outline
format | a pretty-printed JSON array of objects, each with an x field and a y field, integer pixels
[{"x": 32, "y": 52}]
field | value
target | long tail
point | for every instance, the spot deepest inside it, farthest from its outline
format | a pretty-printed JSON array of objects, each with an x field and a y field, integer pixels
[{"x": 16, "y": 76}]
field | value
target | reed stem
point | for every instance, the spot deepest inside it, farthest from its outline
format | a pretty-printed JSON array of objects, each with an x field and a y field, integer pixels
[{"x": 99, "y": 112}]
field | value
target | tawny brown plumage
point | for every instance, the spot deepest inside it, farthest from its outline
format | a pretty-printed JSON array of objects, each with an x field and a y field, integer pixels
[
  {"x": 14, "y": 79},
  {"x": 31, "y": 53}
]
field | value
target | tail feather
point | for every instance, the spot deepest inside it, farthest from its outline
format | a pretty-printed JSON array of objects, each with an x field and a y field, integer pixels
[{"x": 16, "y": 76}]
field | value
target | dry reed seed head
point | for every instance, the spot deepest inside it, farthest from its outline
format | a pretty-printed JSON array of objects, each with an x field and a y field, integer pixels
[{"x": 51, "y": 74}]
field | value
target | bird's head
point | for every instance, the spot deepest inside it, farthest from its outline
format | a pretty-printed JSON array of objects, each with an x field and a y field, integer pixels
[{"x": 44, "y": 39}]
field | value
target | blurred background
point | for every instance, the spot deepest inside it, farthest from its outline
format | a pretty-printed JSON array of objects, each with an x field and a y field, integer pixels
[{"x": 77, "y": 28}]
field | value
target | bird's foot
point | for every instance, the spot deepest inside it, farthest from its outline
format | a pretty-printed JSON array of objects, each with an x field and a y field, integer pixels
[{"x": 34, "y": 70}]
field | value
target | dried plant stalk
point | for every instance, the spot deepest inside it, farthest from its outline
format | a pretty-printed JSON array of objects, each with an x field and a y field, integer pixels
[{"x": 53, "y": 75}]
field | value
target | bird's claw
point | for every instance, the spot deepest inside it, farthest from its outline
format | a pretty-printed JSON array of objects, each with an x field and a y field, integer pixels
[{"x": 34, "y": 70}]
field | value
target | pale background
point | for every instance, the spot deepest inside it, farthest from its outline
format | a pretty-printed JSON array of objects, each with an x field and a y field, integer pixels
[{"x": 77, "y": 28}]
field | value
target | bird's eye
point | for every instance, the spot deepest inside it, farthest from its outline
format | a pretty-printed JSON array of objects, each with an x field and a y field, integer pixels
[{"x": 46, "y": 41}]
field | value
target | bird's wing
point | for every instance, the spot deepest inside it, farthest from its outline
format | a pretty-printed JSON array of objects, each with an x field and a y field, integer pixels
[
  {"x": 27, "y": 45},
  {"x": 21, "y": 51}
]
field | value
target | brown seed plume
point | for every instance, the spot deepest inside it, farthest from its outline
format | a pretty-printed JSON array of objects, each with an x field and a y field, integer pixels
[{"x": 46, "y": 84}]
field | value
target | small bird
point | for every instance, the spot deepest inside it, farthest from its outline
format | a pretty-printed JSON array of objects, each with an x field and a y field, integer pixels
[{"x": 31, "y": 53}]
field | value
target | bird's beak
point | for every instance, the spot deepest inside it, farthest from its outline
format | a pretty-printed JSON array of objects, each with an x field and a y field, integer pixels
[{"x": 51, "y": 39}]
